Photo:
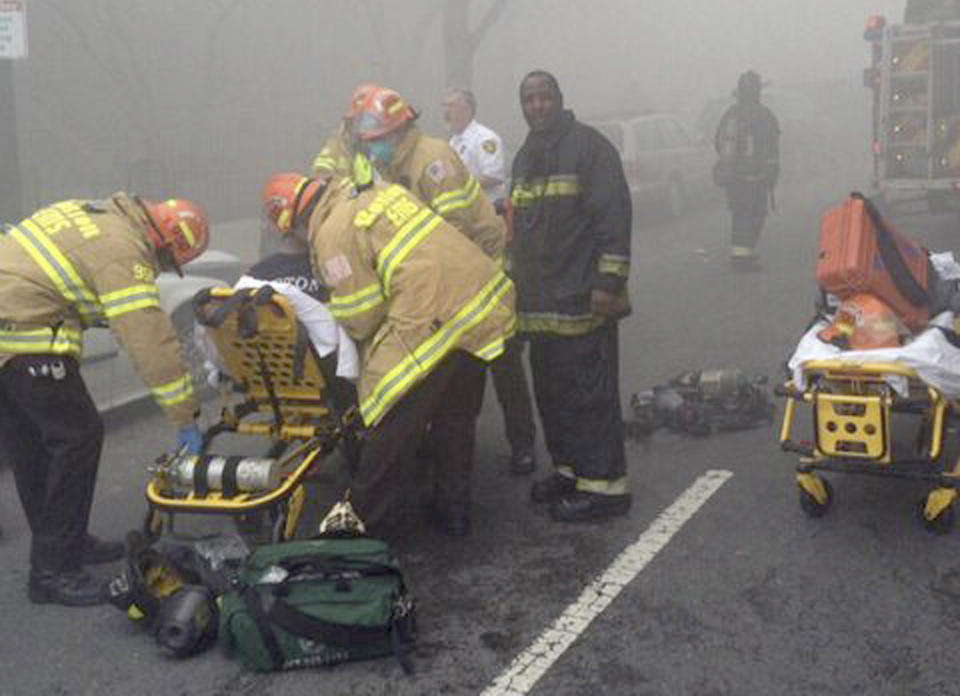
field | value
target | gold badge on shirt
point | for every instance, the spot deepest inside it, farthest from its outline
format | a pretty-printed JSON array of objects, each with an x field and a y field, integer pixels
[{"x": 490, "y": 146}]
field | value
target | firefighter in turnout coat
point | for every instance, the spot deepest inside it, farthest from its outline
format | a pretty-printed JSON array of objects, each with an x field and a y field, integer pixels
[
  {"x": 384, "y": 130},
  {"x": 428, "y": 309},
  {"x": 571, "y": 254},
  {"x": 70, "y": 266}
]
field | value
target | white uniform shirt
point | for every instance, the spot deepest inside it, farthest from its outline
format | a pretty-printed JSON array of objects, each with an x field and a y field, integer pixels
[{"x": 482, "y": 152}]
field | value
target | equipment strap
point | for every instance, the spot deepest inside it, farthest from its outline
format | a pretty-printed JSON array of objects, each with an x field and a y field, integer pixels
[
  {"x": 229, "y": 476},
  {"x": 892, "y": 258},
  {"x": 294, "y": 621},
  {"x": 252, "y": 600}
]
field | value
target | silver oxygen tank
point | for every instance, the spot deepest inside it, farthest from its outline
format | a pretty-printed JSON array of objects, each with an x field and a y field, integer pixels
[{"x": 252, "y": 474}]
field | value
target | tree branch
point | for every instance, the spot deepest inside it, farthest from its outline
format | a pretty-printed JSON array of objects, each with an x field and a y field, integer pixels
[{"x": 488, "y": 20}]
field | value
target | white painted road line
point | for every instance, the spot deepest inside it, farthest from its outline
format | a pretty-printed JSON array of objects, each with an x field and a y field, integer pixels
[{"x": 533, "y": 662}]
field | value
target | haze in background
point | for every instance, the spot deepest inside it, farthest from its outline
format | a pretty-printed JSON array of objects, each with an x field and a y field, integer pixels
[{"x": 205, "y": 99}]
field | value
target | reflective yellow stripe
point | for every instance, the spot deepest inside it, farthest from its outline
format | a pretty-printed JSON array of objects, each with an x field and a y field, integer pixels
[
  {"x": 322, "y": 162},
  {"x": 495, "y": 348},
  {"x": 63, "y": 341},
  {"x": 175, "y": 392},
  {"x": 361, "y": 301},
  {"x": 403, "y": 242},
  {"x": 614, "y": 265},
  {"x": 395, "y": 383},
  {"x": 58, "y": 269},
  {"x": 619, "y": 486},
  {"x": 459, "y": 198},
  {"x": 187, "y": 233},
  {"x": 129, "y": 299},
  {"x": 562, "y": 324},
  {"x": 526, "y": 193}
]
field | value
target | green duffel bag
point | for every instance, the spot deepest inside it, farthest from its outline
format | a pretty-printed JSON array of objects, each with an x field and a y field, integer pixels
[{"x": 317, "y": 602}]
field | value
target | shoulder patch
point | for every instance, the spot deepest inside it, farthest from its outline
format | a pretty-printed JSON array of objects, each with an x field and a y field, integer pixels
[
  {"x": 335, "y": 270},
  {"x": 489, "y": 146},
  {"x": 438, "y": 170}
]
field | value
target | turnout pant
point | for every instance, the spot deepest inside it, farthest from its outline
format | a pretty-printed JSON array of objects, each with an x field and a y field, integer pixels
[
  {"x": 576, "y": 380},
  {"x": 52, "y": 433},
  {"x": 748, "y": 203},
  {"x": 510, "y": 384},
  {"x": 448, "y": 400}
]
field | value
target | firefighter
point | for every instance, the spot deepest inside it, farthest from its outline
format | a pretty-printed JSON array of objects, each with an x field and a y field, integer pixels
[
  {"x": 748, "y": 164},
  {"x": 481, "y": 150},
  {"x": 428, "y": 309},
  {"x": 571, "y": 260},
  {"x": 384, "y": 129},
  {"x": 70, "y": 266},
  {"x": 335, "y": 157}
]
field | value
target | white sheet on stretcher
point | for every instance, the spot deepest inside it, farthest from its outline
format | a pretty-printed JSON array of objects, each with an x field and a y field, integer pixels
[{"x": 935, "y": 360}]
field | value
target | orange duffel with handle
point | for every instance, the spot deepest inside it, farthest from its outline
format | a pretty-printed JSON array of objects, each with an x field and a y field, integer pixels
[{"x": 861, "y": 253}]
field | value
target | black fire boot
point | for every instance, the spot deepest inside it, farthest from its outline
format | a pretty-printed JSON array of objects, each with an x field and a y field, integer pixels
[
  {"x": 580, "y": 506},
  {"x": 98, "y": 551},
  {"x": 71, "y": 588},
  {"x": 552, "y": 488}
]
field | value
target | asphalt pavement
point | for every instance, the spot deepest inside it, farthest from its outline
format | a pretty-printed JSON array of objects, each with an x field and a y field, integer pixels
[{"x": 739, "y": 594}]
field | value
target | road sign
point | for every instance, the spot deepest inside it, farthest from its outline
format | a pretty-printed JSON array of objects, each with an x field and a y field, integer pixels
[{"x": 13, "y": 29}]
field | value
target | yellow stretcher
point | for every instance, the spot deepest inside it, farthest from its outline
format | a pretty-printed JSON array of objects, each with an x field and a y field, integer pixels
[
  {"x": 857, "y": 422},
  {"x": 279, "y": 392}
]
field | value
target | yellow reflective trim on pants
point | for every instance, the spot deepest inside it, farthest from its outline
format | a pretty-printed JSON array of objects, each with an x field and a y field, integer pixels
[
  {"x": 458, "y": 198},
  {"x": 63, "y": 341},
  {"x": 130, "y": 299},
  {"x": 565, "y": 470},
  {"x": 564, "y": 185},
  {"x": 58, "y": 269},
  {"x": 614, "y": 265},
  {"x": 402, "y": 243},
  {"x": 742, "y": 252},
  {"x": 175, "y": 392},
  {"x": 343, "y": 307},
  {"x": 394, "y": 384},
  {"x": 561, "y": 324},
  {"x": 618, "y": 486}
]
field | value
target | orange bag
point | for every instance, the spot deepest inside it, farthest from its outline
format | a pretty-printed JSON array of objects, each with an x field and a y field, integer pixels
[{"x": 858, "y": 255}]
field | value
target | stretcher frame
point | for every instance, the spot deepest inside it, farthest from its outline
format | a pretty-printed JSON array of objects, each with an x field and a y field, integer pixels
[
  {"x": 282, "y": 396},
  {"x": 853, "y": 433}
]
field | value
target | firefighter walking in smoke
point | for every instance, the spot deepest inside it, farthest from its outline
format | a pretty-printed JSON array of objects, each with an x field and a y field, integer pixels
[
  {"x": 428, "y": 308},
  {"x": 481, "y": 150},
  {"x": 571, "y": 246},
  {"x": 68, "y": 267},
  {"x": 748, "y": 148}
]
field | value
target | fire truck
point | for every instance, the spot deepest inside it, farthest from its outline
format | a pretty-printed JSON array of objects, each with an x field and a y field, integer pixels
[{"x": 914, "y": 75}]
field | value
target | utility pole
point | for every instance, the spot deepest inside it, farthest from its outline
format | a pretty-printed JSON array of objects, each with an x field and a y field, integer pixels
[{"x": 13, "y": 45}]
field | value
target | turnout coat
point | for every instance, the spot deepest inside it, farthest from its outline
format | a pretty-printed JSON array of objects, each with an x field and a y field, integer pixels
[{"x": 407, "y": 286}]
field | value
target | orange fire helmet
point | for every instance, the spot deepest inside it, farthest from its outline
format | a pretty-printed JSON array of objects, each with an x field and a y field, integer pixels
[
  {"x": 178, "y": 228},
  {"x": 382, "y": 112},
  {"x": 360, "y": 94},
  {"x": 863, "y": 322},
  {"x": 286, "y": 196}
]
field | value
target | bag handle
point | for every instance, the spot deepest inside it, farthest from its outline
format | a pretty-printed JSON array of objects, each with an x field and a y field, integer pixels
[{"x": 891, "y": 256}]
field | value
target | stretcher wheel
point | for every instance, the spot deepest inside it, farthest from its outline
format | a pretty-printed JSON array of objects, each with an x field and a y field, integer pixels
[
  {"x": 939, "y": 525},
  {"x": 813, "y": 507}
]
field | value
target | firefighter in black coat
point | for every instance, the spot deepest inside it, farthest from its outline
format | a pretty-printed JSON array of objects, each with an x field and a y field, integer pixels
[
  {"x": 572, "y": 220},
  {"x": 747, "y": 143}
]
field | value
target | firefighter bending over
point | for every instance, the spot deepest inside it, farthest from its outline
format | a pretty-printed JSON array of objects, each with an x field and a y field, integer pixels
[
  {"x": 429, "y": 309},
  {"x": 68, "y": 267}
]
